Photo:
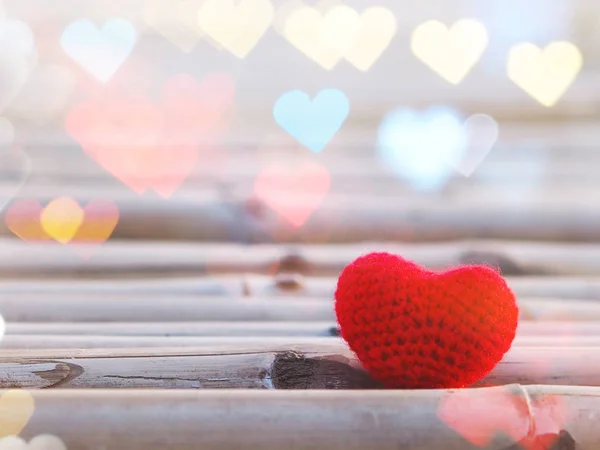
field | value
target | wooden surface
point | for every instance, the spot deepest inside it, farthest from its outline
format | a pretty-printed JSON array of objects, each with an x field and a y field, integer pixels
[
  {"x": 256, "y": 286},
  {"x": 126, "y": 258},
  {"x": 143, "y": 317},
  {"x": 538, "y": 183},
  {"x": 527, "y": 328},
  {"x": 128, "y": 307},
  {"x": 306, "y": 362},
  {"x": 219, "y": 419},
  {"x": 216, "y": 336},
  {"x": 197, "y": 324},
  {"x": 53, "y": 341},
  {"x": 339, "y": 220}
]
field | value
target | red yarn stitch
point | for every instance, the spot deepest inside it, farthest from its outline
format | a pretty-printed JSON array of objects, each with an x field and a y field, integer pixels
[{"x": 415, "y": 328}]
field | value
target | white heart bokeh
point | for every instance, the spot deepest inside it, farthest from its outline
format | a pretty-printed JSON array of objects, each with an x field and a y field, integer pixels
[
  {"x": 426, "y": 147},
  {"x": 289, "y": 7},
  {"x": 100, "y": 51},
  {"x": 418, "y": 145},
  {"x": 18, "y": 56},
  {"x": 41, "y": 442},
  {"x": 481, "y": 135}
]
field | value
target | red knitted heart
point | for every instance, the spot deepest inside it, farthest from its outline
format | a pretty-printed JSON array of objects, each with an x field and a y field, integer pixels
[{"x": 415, "y": 328}]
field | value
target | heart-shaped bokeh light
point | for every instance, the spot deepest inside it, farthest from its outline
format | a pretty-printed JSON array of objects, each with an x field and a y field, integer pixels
[
  {"x": 40, "y": 442},
  {"x": 236, "y": 26},
  {"x": 481, "y": 135},
  {"x": 312, "y": 122},
  {"x": 154, "y": 146},
  {"x": 293, "y": 192},
  {"x": 452, "y": 51},
  {"x": 545, "y": 74},
  {"x": 17, "y": 57},
  {"x": 332, "y": 31},
  {"x": 418, "y": 145},
  {"x": 175, "y": 20},
  {"x": 100, "y": 51}
]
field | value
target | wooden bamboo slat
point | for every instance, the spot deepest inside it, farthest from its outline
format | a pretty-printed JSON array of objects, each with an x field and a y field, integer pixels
[
  {"x": 256, "y": 286},
  {"x": 107, "y": 308},
  {"x": 272, "y": 420},
  {"x": 175, "y": 307},
  {"x": 348, "y": 160},
  {"x": 526, "y": 329},
  {"x": 239, "y": 173},
  {"x": 62, "y": 341},
  {"x": 171, "y": 343},
  {"x": 500, "y": 181},
  {"x": 122, "y": 258},
  {"x": 341, "y": 218},
  {"x": 183, "y": 329},
  {"x": 179, "y": 334},
  {"x": 539, "y": 134},
  {"x": 279, "y": 364}
]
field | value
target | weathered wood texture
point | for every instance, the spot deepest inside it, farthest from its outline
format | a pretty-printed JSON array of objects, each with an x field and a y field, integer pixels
[
  {"x": 129, "y": 307},
  {"x": 125, "y": 329},
  {"x": 255, "y": 286},
  {"x": 526, "y": 328},
  {"x": 341, "y": 219},
  {"x": 295, "y": 364},
  {"x": 52, "y": 341},
  {"x": 190, "y": 329},
  {"x": 514, "y": 194},
  {"x": 123, "y": 258},
  {"x": 271, "y": 420},
  {"x": 209, "y": 320}
]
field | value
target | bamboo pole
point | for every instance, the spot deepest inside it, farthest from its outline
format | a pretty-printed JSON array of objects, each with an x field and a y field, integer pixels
[
  {"x": 567, "y": 288},
  {"x": 177, "y": 307},
  {"x": 52, "y": 341},
  {"x": 279, "y": 364},
  {"x": 122, "y": 258},
  {"x": 559, "y": 310},
  {"x": 352, "y": 159},
  {"x": 501, "y": 183},
  {"x": 164, "y": 308},
  {"x": 526, "y": 329},
  {"x": 352, "y": 166},
  {"x": 489, "y": 418},
  {"x": 175, "y": 329},
  {"x": 341, "y": 218}
]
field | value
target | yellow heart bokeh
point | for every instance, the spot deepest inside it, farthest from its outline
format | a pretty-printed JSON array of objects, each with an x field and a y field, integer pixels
[
  {"x": 16, "y": 408},
  {"x": 285, "y": 10},
  {"x": 304, "y": 29},
  {"x": 236, "y": 28},
  {"x": 175, "y": 20},
  {"x": 450, "y": 52},
  {"x": 61, "y": 219},
  {"x": 377, "y": 28},
  {"x": 341, "y": 33},
  {"x": 544, "y": 74}
]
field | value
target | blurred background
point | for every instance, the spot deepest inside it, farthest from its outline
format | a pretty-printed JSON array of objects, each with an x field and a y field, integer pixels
[
  {"x": 186, "y": 179},
  {"x": 272, "y": 121}
]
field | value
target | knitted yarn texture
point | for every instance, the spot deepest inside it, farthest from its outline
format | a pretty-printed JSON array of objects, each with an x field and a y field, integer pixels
[{"x": 415, "y": 328}]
